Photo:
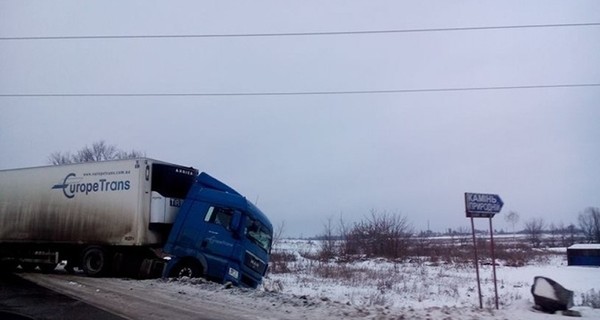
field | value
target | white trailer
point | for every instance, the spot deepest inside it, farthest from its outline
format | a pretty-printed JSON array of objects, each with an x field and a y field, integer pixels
[{"x": 76, "y": 211}]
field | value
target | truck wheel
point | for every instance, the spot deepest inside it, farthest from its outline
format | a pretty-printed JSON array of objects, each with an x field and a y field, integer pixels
[
  {"x": 186, "y": 269},
  {"x": 94, "y": 261}
]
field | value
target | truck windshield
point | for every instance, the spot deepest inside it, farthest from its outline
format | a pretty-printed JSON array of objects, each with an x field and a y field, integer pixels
[{"x": 259, "y": 234}]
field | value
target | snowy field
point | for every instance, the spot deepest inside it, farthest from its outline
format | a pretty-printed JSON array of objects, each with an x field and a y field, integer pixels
[
  {"x": 430, "y": 290},
  {"x": 368, "y": 289}
]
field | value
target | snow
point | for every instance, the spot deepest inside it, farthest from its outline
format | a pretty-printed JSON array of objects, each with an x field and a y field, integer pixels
[
  {"x": 364, "y": 289},
  {"x": 447, "y": 290},
  {"x": 544, "y": 289}
]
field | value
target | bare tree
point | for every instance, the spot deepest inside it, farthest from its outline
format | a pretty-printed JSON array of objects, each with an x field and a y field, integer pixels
[
  {"x": 328, "y": 247},
  {"x": 57, "y": 158},
  {"x": 534, "y": 229},
  {"x": 99, "y": 151},
  {"x": 589, "y": 222},
  {"x": 513, "y": 218},
  {"x": 279, "y": 257},
  {"x": 278, "y": 233},
  {"x": 343, "y": 230}
]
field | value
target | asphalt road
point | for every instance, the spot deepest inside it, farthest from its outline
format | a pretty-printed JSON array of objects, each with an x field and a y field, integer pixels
[{"x": 21, "y": 299}]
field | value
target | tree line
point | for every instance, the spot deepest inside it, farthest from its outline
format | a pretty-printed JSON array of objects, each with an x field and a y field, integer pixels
[
  {"x": 99, "y": 151},
  {"x": 588, "y": 222},
  {"x": 390, "y": 235}
]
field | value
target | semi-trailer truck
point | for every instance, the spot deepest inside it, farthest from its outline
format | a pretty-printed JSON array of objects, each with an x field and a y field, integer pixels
[{"x": 135, "y": 217}]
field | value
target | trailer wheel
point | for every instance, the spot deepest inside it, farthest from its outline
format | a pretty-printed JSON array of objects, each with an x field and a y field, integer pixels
[
  {"x": 186, "y": 268},
  {"x": 94, "y": 261}
]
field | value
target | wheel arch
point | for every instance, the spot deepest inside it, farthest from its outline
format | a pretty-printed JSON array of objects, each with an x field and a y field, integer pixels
[{"x": 199, "y": 261}]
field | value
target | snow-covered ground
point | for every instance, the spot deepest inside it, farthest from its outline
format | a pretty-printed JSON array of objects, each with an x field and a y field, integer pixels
[
  {"x": 368, "y": 289},
  {"x": 448, "y": 289}
]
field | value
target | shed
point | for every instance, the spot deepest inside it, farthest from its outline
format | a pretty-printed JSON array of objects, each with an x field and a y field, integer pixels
[{"x": 584, "y": 254}]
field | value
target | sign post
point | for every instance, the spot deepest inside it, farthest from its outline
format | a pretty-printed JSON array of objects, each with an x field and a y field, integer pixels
[
  {"x": 483, "y": 205},
  {"x": 493, "y": 262},
  {"x": 476, "y": 264}
]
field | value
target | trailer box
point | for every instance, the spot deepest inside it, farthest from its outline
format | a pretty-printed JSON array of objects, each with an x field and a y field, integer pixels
[{"x": 112, "y": 202}]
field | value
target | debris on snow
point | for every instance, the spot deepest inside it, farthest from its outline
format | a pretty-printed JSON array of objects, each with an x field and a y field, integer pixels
[
  {"x": 542, "y": 287},
  {"x": 549, "y": 296}
]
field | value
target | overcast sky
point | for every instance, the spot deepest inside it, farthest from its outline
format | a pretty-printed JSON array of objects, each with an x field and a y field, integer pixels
[{"x": 304, "y": 158}]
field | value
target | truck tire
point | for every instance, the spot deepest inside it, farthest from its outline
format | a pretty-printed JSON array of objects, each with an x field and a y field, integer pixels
[
  {"x": 186, "y": 268},
  {"x": 94, "y": 261}
]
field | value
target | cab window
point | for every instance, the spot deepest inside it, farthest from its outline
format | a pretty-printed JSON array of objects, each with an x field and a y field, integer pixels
[
  {"x": 220, "y": 216},
  {"x": 259, "y": 234}
]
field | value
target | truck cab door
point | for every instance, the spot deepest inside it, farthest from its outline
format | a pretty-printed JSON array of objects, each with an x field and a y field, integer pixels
[{"x": 218, "y": 241}]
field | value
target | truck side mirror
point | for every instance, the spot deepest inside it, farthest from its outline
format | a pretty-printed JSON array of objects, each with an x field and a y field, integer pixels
[{"x": 236, "y": 221}]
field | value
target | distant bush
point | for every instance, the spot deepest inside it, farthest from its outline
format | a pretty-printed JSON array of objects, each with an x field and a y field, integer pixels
[
  {"x": 591, "y": 299},
  {"x": 383, "y": 234},
  {"x": 279, "y": 261}
]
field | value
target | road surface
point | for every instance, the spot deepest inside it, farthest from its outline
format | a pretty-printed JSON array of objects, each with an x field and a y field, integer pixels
[
  {"x": 136, "y": 299},
  {"x": 22, "y": 299}
]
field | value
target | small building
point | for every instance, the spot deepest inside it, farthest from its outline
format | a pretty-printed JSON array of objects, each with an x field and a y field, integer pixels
[{"x": 584, "y": 254}]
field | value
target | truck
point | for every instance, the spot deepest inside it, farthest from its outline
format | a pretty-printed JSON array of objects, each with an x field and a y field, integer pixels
[{"x": 138, "y": 218}]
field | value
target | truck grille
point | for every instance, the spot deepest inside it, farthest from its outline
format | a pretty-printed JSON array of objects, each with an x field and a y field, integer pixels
[{"x": 254, "y": 263}]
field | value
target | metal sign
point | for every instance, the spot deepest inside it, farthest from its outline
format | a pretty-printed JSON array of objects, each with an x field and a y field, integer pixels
[{"x": 482, "y": 205}]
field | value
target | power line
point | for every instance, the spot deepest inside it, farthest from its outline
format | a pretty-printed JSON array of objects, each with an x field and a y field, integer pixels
[
  {"x": 295, "y": 34},
  {"x": 297, "y": 93}
]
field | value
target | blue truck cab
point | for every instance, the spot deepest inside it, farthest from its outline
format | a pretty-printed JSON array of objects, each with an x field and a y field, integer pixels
[{"x": 219, "y": 235}]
